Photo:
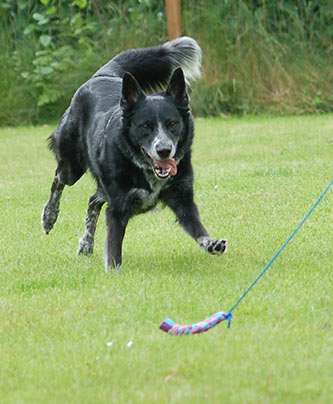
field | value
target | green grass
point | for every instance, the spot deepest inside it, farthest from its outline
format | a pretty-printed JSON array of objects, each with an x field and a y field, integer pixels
[{"x": 255, "y": 180}]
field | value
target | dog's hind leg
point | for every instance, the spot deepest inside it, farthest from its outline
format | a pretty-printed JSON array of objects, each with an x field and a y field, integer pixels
[
  {"x": 86, "y": 244},
  {"x": 51, "y": 209}
]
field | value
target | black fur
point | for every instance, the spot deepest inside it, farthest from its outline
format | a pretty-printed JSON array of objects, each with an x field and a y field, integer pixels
[{"x": 137, "y": 146}]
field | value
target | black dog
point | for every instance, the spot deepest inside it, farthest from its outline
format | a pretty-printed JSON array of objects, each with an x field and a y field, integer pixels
[{"x": 137, "y": 146}]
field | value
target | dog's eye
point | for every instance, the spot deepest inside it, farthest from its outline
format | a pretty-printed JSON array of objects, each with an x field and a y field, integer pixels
[
  {"x": 146, "y": 126},
  {"x": 172, "y": 124}
]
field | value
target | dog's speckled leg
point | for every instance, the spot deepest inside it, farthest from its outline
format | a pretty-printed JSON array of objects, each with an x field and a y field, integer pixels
[
  {"x": 86, "y": 244},
  {"x": 52, "y": 207}
]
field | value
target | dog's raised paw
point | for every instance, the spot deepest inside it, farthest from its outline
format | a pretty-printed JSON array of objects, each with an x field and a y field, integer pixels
[
  {"x": 49, "y": 217},
  {"x": 213, "y": 246}
]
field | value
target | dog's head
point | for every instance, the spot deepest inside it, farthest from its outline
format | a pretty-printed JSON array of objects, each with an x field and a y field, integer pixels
[{"x": 156, "y": 123}]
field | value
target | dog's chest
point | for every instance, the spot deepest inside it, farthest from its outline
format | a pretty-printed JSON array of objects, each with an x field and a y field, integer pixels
[{"x": 149, "y": 198}]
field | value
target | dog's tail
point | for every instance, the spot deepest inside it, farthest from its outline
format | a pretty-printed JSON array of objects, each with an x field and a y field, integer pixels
[{"x": 153, "y": 67}]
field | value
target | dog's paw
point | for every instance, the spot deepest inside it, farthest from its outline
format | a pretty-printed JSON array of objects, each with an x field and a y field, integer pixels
[
  {"x": 86, "y": 247},
  {"x": 49, "y": 217},
  {"x": 212, "y": 246}
]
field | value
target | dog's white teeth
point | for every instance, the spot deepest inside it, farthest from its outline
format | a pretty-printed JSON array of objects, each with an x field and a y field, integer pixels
[{"x": 161, "y": 172}]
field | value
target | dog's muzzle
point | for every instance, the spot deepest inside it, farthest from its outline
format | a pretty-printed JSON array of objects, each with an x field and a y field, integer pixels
[{"x": 162, "y": 169}]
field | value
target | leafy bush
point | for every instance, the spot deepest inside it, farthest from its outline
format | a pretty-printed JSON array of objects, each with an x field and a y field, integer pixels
[
  {"x": 52, "y": 46},
  {"x": 259, "y": 56},
  {"x": 263, "y": 56}
]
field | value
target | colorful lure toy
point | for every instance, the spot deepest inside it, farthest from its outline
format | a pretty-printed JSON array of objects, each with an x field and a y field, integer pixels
[{"x": 172, "y": 328}]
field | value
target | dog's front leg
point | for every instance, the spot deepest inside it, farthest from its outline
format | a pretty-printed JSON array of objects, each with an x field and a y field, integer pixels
[
  {"x": 188, "y": 216},
  {"x": 115, "y": 232}
]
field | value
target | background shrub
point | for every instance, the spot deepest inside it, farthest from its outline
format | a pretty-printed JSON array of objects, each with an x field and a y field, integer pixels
[{"x": 259, "y": 56}]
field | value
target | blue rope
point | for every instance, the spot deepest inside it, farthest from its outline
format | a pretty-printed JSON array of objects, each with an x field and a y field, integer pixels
[{"x": 229, "y": 315}]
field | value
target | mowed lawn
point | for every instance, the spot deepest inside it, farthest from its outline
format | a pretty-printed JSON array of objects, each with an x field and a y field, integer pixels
[{"x": 72, "y": 333}]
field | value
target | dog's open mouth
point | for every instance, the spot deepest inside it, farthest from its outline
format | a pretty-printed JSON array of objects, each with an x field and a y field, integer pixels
[{"x": 162, "y": 169}]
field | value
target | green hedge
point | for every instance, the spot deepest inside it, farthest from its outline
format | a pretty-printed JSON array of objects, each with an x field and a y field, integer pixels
[{"x": 259, "y": 56}]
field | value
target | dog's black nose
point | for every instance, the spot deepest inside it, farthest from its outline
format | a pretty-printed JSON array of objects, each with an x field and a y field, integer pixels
[{"x": 163, "y": 150}]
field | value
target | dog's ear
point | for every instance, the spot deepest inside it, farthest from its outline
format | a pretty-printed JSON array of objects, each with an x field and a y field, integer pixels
[
  {"x": 131, "y": 92},
  {"x": 177, "y": 88}
]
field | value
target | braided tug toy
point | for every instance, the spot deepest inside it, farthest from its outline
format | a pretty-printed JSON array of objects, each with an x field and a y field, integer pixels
[{"x": 172, "y": 328}]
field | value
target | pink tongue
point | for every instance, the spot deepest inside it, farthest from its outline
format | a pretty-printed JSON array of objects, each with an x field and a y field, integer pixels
[{"x": 166, "y": 164}]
